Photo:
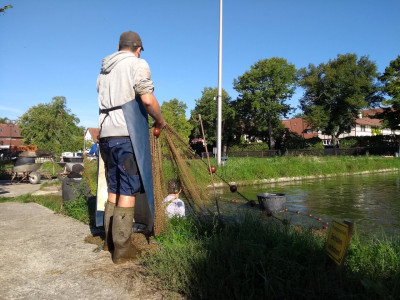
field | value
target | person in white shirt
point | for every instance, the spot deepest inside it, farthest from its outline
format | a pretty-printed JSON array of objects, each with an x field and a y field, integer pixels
[{"x": 173, "y": 205}]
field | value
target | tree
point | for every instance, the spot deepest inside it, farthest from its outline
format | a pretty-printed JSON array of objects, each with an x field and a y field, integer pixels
[
  {"x": 4, "y": 8},
  {"x": 5, "y": 120},
  {"x": 335, "y": 92},
  {"x": 206, "y": 106},
  {"x": 52, "y": 127},
  {"x": 263, "y": 91},
  {"x": 391, "y": 82},
  {"x": 174, "y": 113}
]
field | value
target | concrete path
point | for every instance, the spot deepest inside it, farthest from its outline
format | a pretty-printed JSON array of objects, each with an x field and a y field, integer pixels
[
  {"x": 43, "y": 256},
  {"x": 17, "y": 189}
]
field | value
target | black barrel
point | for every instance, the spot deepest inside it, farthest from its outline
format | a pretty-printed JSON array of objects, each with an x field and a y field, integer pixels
[{"x": 272, "y": 201}]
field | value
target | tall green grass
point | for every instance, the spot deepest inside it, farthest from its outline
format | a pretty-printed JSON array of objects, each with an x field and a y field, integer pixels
[
  {"x": 82, "y": 209},
  {"x": 250, "y": 258}
]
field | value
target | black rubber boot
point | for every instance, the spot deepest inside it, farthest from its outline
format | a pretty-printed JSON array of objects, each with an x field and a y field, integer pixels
[
  {"x": 121, "y": 234},
  {"x": 108, "y": 220}
]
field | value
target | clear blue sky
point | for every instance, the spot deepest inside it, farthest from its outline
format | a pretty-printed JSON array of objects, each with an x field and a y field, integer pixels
[{"x": 54, "y": 48}]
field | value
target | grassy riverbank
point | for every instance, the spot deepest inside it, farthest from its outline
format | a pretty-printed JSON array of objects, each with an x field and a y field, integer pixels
[
  {"x": 250, "y": 170},
  {"x": 252, "y": 256}
]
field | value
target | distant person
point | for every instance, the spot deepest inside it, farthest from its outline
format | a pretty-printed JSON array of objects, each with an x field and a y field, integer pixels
[
  {"x": 174, "y": 205},
  {"x": 74, "y": 185},
  {"x": 94, "y": 150}
]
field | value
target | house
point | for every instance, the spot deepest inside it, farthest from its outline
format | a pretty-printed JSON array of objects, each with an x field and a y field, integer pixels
[
  {"x": 300, "y": 127},
  {"x": 364, "y": 125},
  {"x": 10, "y": 135},
  {"x": 90, "y": 137}
]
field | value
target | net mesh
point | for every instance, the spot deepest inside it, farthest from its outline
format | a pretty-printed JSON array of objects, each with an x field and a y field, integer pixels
[{"x": 173, "y": 156}]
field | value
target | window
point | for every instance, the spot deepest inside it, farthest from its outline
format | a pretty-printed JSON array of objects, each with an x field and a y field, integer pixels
[
  {"x": 362, "y": 128},
  {"x": 311, "y": 131}
]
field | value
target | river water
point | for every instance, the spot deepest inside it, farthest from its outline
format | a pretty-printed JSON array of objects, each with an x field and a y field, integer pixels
[{"x": 371, "y": 202}]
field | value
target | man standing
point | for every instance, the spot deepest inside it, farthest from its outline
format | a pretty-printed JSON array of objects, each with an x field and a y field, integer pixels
[{"x": 125, "y": 96}]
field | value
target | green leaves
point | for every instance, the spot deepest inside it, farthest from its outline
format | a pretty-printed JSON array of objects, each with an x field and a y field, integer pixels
[
  {"x": 4, "y": 8},
  {"x": 174, "y": 113},
  {"x": 391, "y": 81},
  {"x": 337, "y": 90},
  {"x": 263, "y": 91},
  {"x": 51, "y": 127},
  {"x": 206, "y": 106}
]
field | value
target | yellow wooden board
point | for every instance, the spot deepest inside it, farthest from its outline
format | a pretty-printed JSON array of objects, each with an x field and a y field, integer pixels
[{"x": 338, "y": 241}]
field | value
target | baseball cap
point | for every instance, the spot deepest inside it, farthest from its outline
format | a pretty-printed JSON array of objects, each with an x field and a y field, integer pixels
[
  {"x": 77, "y": 168},
  {"x": 129, "y": 39}
]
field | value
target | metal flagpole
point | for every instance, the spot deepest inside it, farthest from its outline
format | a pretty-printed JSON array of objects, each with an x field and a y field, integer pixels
[{"x": 219, "y": 118}]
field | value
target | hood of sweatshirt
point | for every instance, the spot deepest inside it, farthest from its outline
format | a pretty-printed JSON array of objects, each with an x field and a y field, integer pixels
[{"x": 112, "y": 60}]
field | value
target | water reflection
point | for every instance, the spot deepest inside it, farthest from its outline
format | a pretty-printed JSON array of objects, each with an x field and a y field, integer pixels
[{"x": 371, "y": 201}]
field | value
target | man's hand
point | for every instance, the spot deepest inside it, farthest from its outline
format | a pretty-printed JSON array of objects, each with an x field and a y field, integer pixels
[{"x": 161, "y": 125}]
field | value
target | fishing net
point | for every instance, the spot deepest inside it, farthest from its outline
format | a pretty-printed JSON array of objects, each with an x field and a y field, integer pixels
[{"x": 172, "y": 157}]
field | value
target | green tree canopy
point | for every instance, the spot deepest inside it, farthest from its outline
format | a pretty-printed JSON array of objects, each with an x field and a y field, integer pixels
[
  {"x": 174, "y": 113},
  {"x": 206, "y": 106},
  {"x": 52, "y": 127},
  {"x": 5, "y": 120},
  {"x": 336, "y": 91},
  {"x": 263, "y": 92},
  {"x": 391, "y": 81},
  {"x": 4, "y": 8}
]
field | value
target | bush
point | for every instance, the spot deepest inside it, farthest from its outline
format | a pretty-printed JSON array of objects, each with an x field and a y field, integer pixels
[
  {"x": 249, "y": 147},
  {"x": 314, "y": 143},
  {"x": 90, "y": 174},
  {"x": 348, "y": 142},
  {"x": 369, "y": 141}
]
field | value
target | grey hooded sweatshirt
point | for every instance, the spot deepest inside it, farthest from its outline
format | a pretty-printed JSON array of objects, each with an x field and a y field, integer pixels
[{"x": 123, "y": 77}]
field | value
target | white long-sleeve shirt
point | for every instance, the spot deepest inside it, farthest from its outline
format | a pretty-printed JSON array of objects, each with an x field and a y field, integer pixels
[{"x": 176, "y": 206}]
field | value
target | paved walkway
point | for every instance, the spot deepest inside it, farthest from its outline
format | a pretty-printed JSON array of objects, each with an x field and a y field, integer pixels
[
  {"x": 17, "y": 189},
  {"x": 43, "y": 256}
]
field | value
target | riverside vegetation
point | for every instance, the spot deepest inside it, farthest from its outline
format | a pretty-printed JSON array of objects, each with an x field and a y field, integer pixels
[{"x": 253, "y": 257}]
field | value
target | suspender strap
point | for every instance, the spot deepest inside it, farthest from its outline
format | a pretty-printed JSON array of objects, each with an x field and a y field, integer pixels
[{"x": 107, "y": 110}]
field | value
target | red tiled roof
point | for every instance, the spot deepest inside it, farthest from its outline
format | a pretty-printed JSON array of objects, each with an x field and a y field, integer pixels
[
  {"x": 94, "y": 132},
  {"x": 9, "y": 129},
  {"x": 366, "y": 120},
  {"x": 371, "y": 112},
  {"x": 370, "y": 122},
  {"x": 298, "y": 126}
]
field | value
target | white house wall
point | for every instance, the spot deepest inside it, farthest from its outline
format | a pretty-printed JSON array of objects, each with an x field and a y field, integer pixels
[{"x": 357, "y": 131}]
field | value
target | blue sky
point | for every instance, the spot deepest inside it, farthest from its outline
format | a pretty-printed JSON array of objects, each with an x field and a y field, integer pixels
[{"x": 54, "y": 48}]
